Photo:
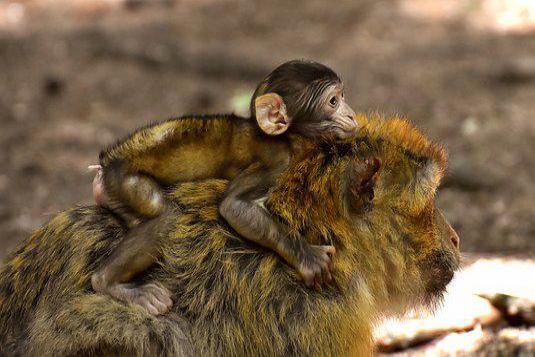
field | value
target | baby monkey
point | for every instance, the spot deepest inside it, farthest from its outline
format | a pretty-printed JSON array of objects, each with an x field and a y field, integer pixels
[{"x": 299, "y": 99}]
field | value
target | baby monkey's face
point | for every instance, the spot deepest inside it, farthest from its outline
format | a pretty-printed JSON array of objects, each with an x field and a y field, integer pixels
[
  {"x": 336, "y": 116},
  {"x": 304, "y": 98},
  {"x": 322, "y": 112}
]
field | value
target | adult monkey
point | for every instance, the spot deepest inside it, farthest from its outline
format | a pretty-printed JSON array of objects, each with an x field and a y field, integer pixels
[
  {"x": 299, "y": 99},
  {"x": 232, "y": 297}
]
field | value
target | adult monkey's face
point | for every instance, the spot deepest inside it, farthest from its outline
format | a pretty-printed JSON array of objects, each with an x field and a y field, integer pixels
[
  {"x": 414, "y": 168},
  {"x": 406, "y": 186}
]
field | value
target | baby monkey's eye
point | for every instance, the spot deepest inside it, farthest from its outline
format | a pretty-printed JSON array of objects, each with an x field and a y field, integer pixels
[{"x": 333, "y": 101}]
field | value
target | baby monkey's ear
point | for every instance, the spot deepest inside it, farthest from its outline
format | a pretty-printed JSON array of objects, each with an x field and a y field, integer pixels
[
  {"x": 271, "y": 114},
  {"x": 361, "y": 184}
]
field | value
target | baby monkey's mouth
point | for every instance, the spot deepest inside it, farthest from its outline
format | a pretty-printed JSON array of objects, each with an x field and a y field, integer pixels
[{"x": 346, "y": 133}]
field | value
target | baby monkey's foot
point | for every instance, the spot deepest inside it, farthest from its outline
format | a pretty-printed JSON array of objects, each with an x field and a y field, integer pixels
[
  {"x": 99, "y": 194},
  {"x": 154, "y": 297},
  {"x": 315, "y": 265}
]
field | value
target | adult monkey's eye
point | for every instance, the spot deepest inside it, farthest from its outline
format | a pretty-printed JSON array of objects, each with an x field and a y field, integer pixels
[{"x": 333, "y": 101}]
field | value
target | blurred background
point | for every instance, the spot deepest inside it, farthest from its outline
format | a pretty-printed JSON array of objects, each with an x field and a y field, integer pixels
[{"x": 77, "y": 74}]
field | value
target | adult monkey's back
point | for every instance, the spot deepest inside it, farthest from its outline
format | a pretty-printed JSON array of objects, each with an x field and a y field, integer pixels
[{"x": 231, "y": 297}]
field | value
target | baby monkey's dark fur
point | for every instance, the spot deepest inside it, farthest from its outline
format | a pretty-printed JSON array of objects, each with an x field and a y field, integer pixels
[{"x": 298, "y": 101}]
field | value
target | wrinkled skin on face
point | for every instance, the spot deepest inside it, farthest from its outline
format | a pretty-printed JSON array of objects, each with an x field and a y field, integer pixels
[{"x": 335, "y": 116}]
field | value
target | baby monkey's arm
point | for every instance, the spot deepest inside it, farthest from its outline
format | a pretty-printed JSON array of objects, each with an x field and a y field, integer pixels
[{"x": 243, "y": 209}]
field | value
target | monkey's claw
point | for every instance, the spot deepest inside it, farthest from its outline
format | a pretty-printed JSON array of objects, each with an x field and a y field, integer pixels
[
  {"x": 316, "y": 264},
  {"x": 155, "y": 298}
]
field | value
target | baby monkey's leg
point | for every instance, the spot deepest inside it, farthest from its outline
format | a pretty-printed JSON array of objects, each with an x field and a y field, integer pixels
[
  {"x": 137, "y": 252},
  {"x": 140, "y": 248},
  {"x": 99, "y": 194},
  {"x": 131, "y": 192}
]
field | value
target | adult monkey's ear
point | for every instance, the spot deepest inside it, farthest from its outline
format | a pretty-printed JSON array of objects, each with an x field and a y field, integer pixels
[
  {"x": 271, "y": 114},
  {"x": 361, "y": 184}
]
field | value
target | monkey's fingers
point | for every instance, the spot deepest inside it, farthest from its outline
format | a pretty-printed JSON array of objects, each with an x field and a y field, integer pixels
[
  {"x": 155, "y": 298},
  {"x": 327, "y": 259},
  {"x": 327, "y": 277},
  {"x": 147, "y": 305},
  {"x": 306, "y": 274},
  {"x": 161, "y": 293},
  {"x": 318, "y": 278},
  {"x": 328, "y": 249},
  {"x": 326, "y": 268},
  {"x": 308, "y": 279},
  {"x": 160, "y": 306},
  {"x": 372, "y": 167},
  {"x": 318, "y": 282}
]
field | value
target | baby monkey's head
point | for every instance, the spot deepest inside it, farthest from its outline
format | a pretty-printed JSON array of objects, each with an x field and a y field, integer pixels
[{"x": 305, "y": 98}]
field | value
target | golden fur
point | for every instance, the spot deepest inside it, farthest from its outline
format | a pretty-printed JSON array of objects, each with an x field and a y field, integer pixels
[{"x": 235, "y": 298}]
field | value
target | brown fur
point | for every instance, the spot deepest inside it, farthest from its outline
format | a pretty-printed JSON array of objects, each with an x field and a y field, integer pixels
[
  {"x": 195, "y": 147},
  {"x": 232, "y": 297}
]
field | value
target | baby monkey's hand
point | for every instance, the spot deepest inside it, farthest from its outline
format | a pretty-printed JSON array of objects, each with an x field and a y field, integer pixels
[{"x": 315, "y": 265}]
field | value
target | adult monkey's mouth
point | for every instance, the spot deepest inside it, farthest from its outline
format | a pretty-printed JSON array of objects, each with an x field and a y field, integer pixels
[{"x": 437, "y": 272}]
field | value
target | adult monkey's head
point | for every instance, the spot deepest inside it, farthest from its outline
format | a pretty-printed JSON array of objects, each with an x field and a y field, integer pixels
[
  {"x": 305, "y": 98},
  {"x": 373, "y": 198}
]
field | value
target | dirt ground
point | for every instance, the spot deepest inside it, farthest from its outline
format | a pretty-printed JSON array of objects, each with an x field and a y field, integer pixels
[{"x": 75, "y": 75}]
